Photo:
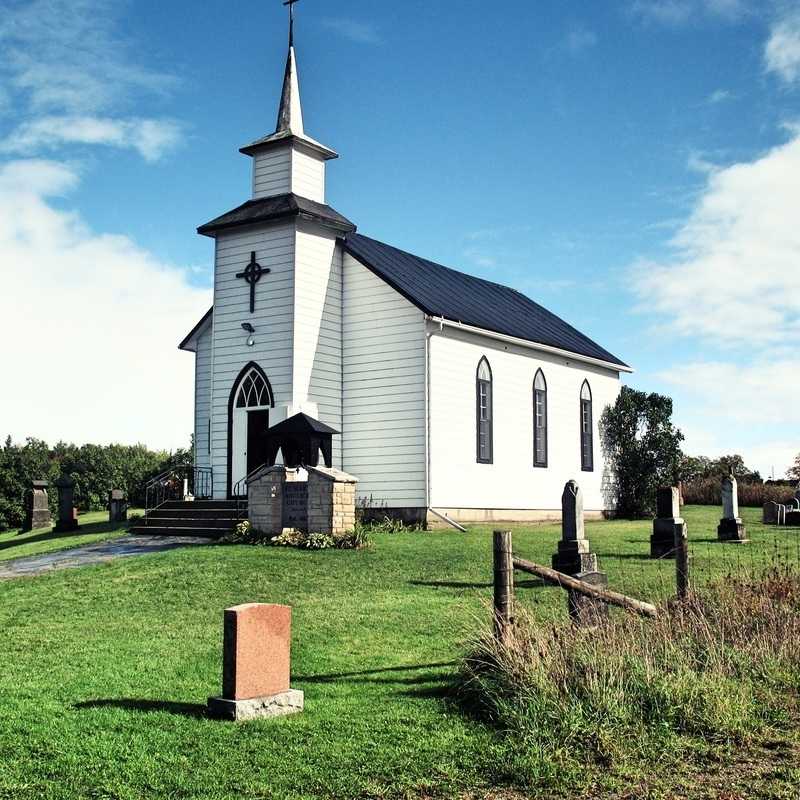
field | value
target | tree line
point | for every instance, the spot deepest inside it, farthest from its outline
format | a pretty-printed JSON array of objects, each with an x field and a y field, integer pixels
[
  {"x": 644, "y": 449},
  {"x": 96, "y": 470}
]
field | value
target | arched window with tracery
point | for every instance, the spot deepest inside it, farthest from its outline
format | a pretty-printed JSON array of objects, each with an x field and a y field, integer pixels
[
  {"x": 253, "y": 391},
  {"x": 484, "y": 412},
  {"x": 587, "y": 440},
  {"x": 539, "y": 420}
]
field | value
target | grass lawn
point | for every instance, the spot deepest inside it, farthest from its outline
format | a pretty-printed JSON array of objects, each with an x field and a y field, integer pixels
[
  {"x": 94, "y": 527},
  {"x": 106, "y": 671}
]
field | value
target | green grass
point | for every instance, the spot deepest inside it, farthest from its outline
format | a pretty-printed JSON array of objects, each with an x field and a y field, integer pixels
[
  {"x": 94, "y": 527},
  {"x": 106, "y": 669}
]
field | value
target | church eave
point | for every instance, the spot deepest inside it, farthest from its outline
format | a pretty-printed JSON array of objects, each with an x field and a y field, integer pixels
[
  {"x": 282, "y": 138},
  {"x": 272, "y": 209},
  {"x": 187, "y": 343}
]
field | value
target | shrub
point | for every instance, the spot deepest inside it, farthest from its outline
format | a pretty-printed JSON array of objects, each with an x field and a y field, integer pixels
[
  {"x": 245, "y": 534},
  {"x": 715, "y": 668},
  {"x": 643, "y": 449}
]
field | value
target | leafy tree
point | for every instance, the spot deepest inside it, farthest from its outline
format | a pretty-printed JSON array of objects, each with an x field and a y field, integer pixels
[
  {"x": 794, "y": 470},
  {"x": 643, "y": 447}
]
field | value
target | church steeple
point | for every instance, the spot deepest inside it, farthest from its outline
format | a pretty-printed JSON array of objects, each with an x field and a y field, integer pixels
[
  {"x": 290, "y": 112},
  {"x": 288, "y": 161}
]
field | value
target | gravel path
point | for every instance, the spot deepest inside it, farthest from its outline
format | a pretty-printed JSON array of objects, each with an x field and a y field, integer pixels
[{"x": 98, "y": 553}]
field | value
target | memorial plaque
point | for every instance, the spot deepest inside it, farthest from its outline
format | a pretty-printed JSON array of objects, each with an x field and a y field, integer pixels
[{"x": 295, "y": 505}]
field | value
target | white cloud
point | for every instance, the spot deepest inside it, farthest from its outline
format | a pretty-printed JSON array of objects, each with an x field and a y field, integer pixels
[
  {"x": 89, "y": 323},
  {"x": 151, "y": 138},
  {"x": 580, "y": 39},
  {"x": 719, "y": 96},
  {"x": 678, "y": 12},
  {"x": 782, "y": 51},
  {"x": 355, "y": 30},
  {"x": 735, "y": 278},
  {"x": 66, "y": 55}
]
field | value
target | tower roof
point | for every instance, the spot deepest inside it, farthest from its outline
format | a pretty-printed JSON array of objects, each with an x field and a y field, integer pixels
[{"x": 289, "y": 127}]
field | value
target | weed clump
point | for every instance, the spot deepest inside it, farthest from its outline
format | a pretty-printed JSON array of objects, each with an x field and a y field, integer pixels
[{"x": 707, "y": 672}]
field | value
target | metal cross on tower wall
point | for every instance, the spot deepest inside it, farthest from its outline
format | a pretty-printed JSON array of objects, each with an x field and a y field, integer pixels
[{"x": 253, "y": 275}]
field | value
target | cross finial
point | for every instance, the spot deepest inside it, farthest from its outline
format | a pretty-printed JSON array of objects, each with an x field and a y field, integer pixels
[{"x": 291, "y": 3}]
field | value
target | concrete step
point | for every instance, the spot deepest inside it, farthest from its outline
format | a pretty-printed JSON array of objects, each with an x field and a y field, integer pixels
[
  {"x": 193, "y": 521},
  {"x": 222, "y": 514},
  {"x": 155, "y": 530},
  {"x": 212, "y": 505}
]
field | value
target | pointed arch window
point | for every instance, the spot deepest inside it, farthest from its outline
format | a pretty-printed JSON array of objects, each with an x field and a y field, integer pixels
[
  {"x": 539, "y": 420},
  {"x": 484, "y": 412},
  {"x": 587, "y": 442},
  {"x": 253, "y": 391}
]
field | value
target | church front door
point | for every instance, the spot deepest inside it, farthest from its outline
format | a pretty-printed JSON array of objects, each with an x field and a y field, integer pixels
[{"x": 257, "y": 426}]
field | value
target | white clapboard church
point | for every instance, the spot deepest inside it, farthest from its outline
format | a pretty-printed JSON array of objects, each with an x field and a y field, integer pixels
[{"x": 451, "y": 394}]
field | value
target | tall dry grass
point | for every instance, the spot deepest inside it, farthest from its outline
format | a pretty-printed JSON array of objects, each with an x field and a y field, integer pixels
[
  {"x": 708, "y": 492},
  {"x": 712, "y": 670}
]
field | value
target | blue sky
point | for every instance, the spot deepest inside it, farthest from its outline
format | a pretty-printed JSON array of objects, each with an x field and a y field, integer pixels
[{"x": 631, "y": 165}]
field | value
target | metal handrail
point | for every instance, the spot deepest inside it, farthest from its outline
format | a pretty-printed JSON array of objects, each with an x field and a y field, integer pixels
[
  {"x": 240, "y": 491},
  {"x": 176, "y": 483}
]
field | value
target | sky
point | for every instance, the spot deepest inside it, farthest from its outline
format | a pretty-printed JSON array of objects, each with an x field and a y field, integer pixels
[{"x": 632, "y": 165}]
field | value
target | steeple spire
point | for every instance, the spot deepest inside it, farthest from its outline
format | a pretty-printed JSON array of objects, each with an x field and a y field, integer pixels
[{"x": 290, "y": 113}]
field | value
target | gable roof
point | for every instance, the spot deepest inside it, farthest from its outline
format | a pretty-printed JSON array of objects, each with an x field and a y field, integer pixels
[
  {"x": 266, "y": 209},
  {"x": 187, "y": 343},
  {"x": 439, "y": 291}
]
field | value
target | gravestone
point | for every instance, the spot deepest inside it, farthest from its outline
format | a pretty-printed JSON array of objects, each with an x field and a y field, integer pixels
[
  {"x": 67, "y": 518},
  {"x": 668, "y": 524},
  {"x": 731, "y": 528},
  {"x": 117, "y": 506},
  {"x": 256, "y": 664},
  {"x": 585, "y": 610},
  {"x": 770, "y": 513},
  {"x": 37, "y": 508},
  {"x": 573, "y": 555}
]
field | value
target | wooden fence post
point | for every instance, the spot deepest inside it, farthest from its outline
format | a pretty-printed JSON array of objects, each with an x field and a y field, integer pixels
[
  {"x": 682, "y": 561},
  {"x": 503, "y": 583}
]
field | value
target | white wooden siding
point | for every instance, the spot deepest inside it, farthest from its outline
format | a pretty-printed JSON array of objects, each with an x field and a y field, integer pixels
[
  {"x": 202, "y": 398},
  {"x": 383, "y": 364},
  {"x": 287, "y": 169},
  {"x": 317, "y": 363},
  {"x": 273, "y": 320},
  {"x": 308, "y": 176},
  {"x": 272, "y": 172},
  {"x": 511, "y": 481}
]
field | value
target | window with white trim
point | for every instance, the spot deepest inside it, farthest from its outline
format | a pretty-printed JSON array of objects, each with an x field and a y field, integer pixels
[
  {"x": 484, "y": 411},
  {"x": 587, "y": 440},
  {"x": 539, "y": 420}
]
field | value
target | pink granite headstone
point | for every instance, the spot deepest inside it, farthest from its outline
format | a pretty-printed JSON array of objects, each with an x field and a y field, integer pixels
[{"x": 256, "y": 664}]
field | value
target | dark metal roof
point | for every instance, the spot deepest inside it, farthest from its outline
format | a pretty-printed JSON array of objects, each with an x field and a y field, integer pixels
[
  {"x": 300, "y": 424},
  {"x": 282, "y": 206},
  {"x": 443, "y": 292}
]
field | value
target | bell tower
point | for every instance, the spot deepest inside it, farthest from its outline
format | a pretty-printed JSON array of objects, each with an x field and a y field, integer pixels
[{"x": 288, "y": 161}]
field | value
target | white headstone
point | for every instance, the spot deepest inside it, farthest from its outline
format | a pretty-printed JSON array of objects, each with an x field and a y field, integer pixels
[{"x": 730, "y": 498}]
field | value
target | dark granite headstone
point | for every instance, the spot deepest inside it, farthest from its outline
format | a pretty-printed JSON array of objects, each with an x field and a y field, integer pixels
[
  {"x": 37, "y": 508},
  {"x": 67, "y": 520},
  {"x": 573, "y": 555},
  {"x": 117, "y": 506},
  {"x": 668, "y": 521}
]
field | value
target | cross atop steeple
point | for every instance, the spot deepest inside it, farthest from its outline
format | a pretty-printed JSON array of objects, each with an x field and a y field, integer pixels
[
  {"x": 290, "y": 113},
  {"x": 291, "y": 3}
]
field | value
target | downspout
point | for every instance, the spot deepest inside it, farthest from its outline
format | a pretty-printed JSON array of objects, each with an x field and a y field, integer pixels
[{"x": 443, "y": 517}]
